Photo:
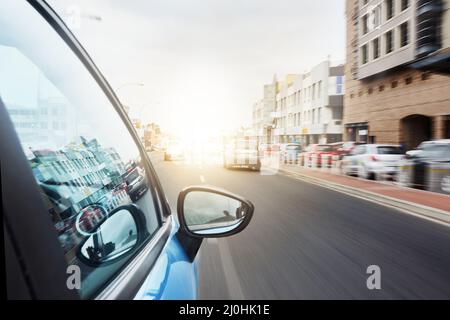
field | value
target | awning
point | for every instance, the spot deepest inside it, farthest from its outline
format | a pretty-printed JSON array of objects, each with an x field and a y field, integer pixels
[{"x": 437, "y": 62}]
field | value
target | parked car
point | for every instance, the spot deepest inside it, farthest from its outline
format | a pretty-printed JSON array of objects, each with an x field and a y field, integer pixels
[
  {"x": 369, "y": 161},
  {"x": 318, "y": 150},
  {"x": 427, "y": 166},
  {"x": 425, "y": 145},
  {"x": 290, "y": 151},
  {"x": 137, "y": 250},
  {"x": 242, "y": 153},
  {"x": 344, "y": 148}
]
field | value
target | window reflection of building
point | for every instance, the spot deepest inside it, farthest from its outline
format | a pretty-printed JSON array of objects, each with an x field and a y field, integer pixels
[
  {"x": 50, "y": 121},
  {"x": 76, "y": 176}
]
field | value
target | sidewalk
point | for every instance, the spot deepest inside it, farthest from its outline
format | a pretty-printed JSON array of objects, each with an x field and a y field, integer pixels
[{"x": 425, "y": 199}]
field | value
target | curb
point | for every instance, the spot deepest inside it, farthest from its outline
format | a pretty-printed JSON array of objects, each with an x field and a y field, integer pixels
[{"x": 412, "y": 208}]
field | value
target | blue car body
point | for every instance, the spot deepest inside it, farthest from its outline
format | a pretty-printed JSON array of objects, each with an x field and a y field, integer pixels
[{"x": 173, "y": 276}]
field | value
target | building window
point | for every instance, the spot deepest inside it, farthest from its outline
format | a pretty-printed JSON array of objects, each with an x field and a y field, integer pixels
[
  {"x": 408, "y": 80},
  {"x": 364, "y": 58},
  {"x": 365, "y": 24},
  {"x": 339, "y": 84},
  {"x": 376, "y": 48},
  {"x": 389, "y": 37},
  {"x": 376, "y": 16},
  {"x": 390, "y": 9},
  {"x": 337, "y": 113},
  {"x": 381, "y": 88},
  {"x": 405, "y": 4},
  {"x": 404, "y": 34},
  {"x": 394, "y": 84}
]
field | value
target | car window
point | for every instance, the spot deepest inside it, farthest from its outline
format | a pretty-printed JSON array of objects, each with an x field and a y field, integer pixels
[
  {"x": 293, "y": 147},
  {"x": 435, "y": 151},
  {"x": 389, "y": 150},
  {"x": 82, "y": 156}
]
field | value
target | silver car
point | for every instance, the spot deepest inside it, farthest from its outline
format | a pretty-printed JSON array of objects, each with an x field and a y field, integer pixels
[{"x": 371, "y": 161}]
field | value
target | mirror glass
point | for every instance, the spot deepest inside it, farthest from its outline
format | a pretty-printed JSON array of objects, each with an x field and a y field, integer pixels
[
  {"x": 212, "y": 213},
  {"x": 113, "y": 238}
]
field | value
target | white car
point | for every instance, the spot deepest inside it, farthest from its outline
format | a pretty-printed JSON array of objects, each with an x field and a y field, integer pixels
[
  {"x": 425, "y": 145},
  {"x": 371, "y": 161}
]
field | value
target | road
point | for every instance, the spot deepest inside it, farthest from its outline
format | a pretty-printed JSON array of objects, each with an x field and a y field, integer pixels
[{"x": 309, "y": 242}]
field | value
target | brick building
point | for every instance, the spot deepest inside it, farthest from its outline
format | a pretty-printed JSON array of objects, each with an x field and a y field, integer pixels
[{"x": 397, "y": 82}]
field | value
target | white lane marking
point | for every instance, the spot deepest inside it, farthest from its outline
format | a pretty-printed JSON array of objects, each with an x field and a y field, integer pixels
[
  {"x": 231, "y": 276},
  {"x": 202, "y": 179}
]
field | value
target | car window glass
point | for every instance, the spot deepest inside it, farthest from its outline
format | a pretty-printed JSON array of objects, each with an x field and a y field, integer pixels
[
  {"x": 82, "y": 156},
  {"x": 435, "y": 151},
  {"x": 389, "y": 150}
]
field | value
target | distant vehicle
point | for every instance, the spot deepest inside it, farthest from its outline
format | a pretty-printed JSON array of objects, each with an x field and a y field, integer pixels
[
  {"x": 136, "y": 183},
  {"x": 174, "y": 152},
  {"x": 417, "y": 162},
  {"x": 242, "y": 152},
  {"x": 372, "y": 160},
  {"x": 290, "y": 151},
  {"x": 319, "y": 150}
]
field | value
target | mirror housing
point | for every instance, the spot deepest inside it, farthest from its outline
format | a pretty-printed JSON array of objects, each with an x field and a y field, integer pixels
[{"x": 209, "y": 212}]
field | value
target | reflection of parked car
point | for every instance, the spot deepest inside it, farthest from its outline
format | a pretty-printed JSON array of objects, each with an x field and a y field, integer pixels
[
  {"x": 371, "y": 160},
  {"x": 418, "y": 165},
  {"x": 136, "y": 183}
]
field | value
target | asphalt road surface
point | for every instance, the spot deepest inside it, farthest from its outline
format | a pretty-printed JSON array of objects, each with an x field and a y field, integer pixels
[{"x": 309, "y": 242}]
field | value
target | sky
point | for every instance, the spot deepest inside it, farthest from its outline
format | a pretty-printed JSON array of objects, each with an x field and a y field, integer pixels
[{"x": 203, "y": 63}]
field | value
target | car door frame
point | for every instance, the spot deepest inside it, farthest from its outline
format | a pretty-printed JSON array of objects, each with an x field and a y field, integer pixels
[{"x": 27, "y": 226}]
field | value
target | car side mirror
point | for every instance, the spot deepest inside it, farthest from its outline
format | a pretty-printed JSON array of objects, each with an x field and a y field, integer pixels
[
  {"x": 208, "y": 212},
  {"x": 116, "y": 235}
]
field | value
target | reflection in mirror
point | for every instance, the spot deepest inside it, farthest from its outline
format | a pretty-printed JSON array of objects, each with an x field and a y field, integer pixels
[
  {"x": 114, "y": 237},
  {"x": 211, "y": 213}
]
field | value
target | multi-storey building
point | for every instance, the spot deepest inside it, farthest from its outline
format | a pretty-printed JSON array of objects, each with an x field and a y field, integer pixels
[
  {"x": 309, "y": 107},
  {"x": 397, "y": 51},
  {"x": 263, "y": 112}
]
